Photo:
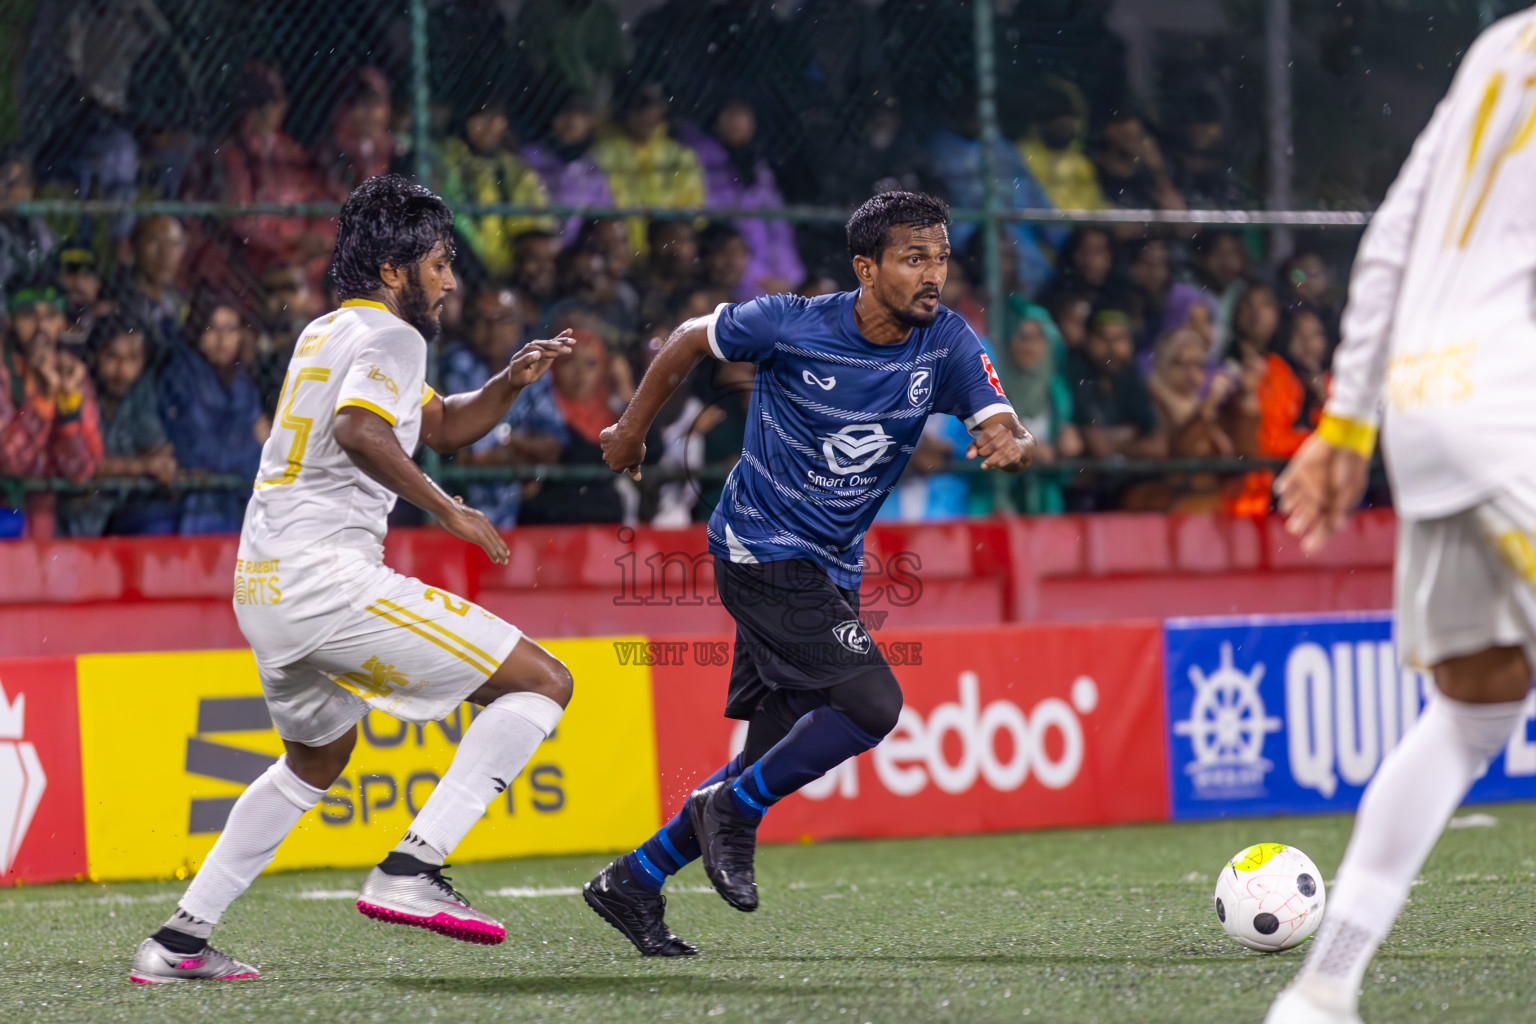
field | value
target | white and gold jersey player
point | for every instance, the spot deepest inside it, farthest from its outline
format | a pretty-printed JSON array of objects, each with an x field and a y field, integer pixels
[
  {"x": 1439, "y": 341},
  {"x": 336, "y": 632}
]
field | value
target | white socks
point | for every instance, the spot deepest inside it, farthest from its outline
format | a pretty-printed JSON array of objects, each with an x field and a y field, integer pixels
[
  {"x": 263, "y": 816},
  {"x": 1401, "y": 816},
  {"x": 495, "y": 748}
]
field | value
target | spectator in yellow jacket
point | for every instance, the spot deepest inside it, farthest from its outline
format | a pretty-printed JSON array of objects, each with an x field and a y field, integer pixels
[
  {"x": 481, "y": 167},
  {"x": 1053, "y": 149},
  {"x": 644, "y": 164}
]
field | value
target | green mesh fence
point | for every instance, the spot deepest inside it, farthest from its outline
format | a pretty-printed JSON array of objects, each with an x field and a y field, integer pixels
[{"x": 247, "y": 121}]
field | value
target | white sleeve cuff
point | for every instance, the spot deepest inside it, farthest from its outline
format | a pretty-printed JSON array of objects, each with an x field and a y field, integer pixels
[
  {"x": 987, "y": 413},
  {"x": 709, "y": 328}
]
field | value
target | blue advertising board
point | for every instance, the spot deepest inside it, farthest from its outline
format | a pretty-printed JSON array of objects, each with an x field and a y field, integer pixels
[{"x": 1293, "y": 714}]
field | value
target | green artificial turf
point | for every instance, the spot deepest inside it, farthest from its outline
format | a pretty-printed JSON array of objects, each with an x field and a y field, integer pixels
[{"x": 1109, "y": 924}]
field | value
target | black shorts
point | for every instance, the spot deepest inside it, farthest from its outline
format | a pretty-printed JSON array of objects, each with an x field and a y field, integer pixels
[{"x": 795, "y": 630}]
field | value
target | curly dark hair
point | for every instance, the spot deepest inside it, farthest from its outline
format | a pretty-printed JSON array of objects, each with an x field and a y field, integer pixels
[
  {"x": 388, "y": 219},
  {"x": 869, "y": 229}
]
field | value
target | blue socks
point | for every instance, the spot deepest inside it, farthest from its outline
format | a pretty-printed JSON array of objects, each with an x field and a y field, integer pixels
[
  {"x": 675, "y": 844},
  {"x": 819, "y": 742}
]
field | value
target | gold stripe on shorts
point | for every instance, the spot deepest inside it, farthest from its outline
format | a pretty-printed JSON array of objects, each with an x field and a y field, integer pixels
[{"x": 402, "y": 617}]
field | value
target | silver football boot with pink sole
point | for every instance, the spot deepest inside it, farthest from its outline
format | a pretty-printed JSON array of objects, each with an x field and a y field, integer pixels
[
  {"x": 427, "y": 901},
  {"x": 154, "y": 964}
]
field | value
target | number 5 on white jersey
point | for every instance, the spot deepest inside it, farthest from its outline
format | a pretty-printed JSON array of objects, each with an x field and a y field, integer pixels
[{"x": 300, "y": 425}]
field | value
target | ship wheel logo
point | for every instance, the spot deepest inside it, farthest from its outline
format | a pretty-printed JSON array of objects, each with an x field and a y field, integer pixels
[{"x": 1227, "y": 722}]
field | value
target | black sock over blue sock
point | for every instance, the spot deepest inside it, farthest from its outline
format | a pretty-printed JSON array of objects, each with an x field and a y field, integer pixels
[
  {"x": 674, "y": 845},
  {"x": 819, "y": 742}
]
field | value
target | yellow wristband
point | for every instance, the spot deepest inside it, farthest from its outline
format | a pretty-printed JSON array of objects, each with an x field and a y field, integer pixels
[
  {"x": 1351, "y": 434},
  {"x": 69, "y": 402}
]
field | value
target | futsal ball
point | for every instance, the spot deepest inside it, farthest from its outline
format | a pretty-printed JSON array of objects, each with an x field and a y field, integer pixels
[{"x": 1270, "y": 897}]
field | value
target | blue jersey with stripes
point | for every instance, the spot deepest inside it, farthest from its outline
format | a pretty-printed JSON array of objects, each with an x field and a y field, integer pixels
[{"x": 834, "y": 419}]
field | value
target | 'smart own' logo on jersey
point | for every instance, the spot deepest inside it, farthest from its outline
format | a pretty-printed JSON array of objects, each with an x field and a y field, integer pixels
[
  {"x": 22, "y": 779},
  {"x": 856, "y": 447}
]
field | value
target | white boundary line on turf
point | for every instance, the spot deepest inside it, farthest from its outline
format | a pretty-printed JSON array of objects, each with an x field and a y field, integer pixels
[
  {"x": 523, "y": 892},
  {"x": 115, "y": 900}
]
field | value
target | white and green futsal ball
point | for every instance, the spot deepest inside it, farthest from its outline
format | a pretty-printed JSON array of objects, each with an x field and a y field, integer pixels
[{"x": 1270, "y": 897}]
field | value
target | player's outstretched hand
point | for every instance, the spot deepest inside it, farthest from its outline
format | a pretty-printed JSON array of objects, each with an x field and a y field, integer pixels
[
  {"x": 470, "y": 524},
  {"x": 1001, "y": 445},
  {"x": 623, "y": 452},
  {"x": 1318, "y": 489},
  {"x": 535, "y": 358}
]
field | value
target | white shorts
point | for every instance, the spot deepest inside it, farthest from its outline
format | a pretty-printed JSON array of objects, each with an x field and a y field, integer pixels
[
  {"x": 414, "y": 652},
  {"x": 1467, "y": 582}
]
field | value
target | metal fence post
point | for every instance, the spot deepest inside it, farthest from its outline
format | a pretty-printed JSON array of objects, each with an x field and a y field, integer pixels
[
  {"x": 420, "y": 141},
  {"x": 420, "y": 104},
  {"x": 991, "y": 233},
  {"x": 1277, "y": 57}
]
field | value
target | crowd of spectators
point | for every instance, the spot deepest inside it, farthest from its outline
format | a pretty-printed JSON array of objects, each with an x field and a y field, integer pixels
[{"x": 156, "y": 347}]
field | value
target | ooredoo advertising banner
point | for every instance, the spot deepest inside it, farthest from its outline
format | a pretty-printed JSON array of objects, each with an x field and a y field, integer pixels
[
  {"x": 169, "y": 741},
  {"x": 1292, "y": 715},
  {"x": 1003, "y": 728},
  {"x": 42, "y": 836}
]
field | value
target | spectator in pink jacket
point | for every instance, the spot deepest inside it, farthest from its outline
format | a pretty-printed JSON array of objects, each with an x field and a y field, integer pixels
[
  {"x": 361, "y": 145},
  {"x": 260, "y": 162},
  {"x": 736, "y": 175}
]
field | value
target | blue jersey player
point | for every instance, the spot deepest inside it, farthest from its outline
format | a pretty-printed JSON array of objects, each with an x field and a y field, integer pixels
[{"x": 844, "y": 384}]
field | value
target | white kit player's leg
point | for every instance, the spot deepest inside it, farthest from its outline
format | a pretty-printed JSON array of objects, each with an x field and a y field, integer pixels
[
  {"x": 261, "y": 818},
  {"x": 496, "y": 747},
  {"x": 1460, "y": 608},
  {"x": 1401, "y": 815},
  {"x": 409, "y": 887}
]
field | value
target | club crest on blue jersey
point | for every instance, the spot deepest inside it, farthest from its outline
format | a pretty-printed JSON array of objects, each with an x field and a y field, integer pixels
[{"x": 918, "y": 386}]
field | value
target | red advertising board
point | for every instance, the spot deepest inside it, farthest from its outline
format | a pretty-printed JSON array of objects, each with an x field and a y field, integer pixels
[
  {"x": 1004, "y": 727},
  {"x": 42, "y": 825}
]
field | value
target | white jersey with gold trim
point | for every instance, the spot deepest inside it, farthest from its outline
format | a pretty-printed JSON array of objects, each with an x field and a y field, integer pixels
[
  {"x": 315, "y": 524},
  {"x": 1440, "y": 329}
]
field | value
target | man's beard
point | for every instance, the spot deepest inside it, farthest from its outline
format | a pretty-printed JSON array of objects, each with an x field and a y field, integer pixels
[
  {"x": 909, "y": 317},
  {"x": 414, "y": 308}
]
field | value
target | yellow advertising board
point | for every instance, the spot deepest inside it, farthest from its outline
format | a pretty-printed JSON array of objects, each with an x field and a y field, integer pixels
[{"x": 168, "y": 741}]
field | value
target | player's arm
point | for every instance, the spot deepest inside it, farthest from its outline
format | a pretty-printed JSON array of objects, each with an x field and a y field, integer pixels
[
  {"x": 624, "y": 442},
  {"x": 370, "y": 442},
  {"x": 969, "y": 390},
  {"x": 1002, "y": 442},
  {"x": 457, "y": 421},
  {"x": 1326, "y": 478}
]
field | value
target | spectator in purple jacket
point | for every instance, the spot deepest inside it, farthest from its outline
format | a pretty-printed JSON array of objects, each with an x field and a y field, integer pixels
[
  {"x": 737, "y": 175},
  {"x": 563, "y": 164}
]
